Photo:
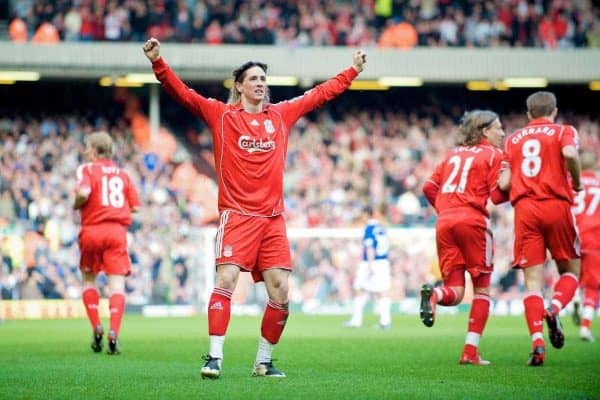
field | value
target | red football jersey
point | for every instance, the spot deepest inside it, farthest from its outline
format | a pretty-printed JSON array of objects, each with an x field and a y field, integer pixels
[
  {"x": 534, "y": 154},
  {"x": 466, "y": 177},
  {"x": 250, "y": 149},
  {"x": 587, "y": 211},
  {"x": 111, "y": 193}
]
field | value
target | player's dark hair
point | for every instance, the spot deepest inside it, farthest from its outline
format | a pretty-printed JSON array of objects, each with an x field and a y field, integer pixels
[
  {"x": 472, "y": 124},
  {"x": 541, "y": 104},
  {"x": 371, "y": 210},
  {"x": 238, "y": 76}
]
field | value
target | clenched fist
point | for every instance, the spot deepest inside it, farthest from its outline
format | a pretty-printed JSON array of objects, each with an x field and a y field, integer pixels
[
  {"x": 152, "y": 49},
  {"x": 359, "y": 59}
]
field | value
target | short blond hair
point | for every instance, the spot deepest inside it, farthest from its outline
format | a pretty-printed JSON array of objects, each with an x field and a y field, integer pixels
[
  {"x": 102, "y": 144},
  {"x": 472, "y": 124}
]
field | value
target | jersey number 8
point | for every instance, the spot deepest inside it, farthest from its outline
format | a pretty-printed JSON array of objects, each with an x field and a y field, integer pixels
[{"x": 532, "y": 162}]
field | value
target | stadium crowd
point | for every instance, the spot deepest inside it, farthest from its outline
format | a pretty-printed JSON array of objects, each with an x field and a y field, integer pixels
[
  {"x": 39, "y": 227},
  {"x": 335, "y": 165},
  {"x": 364, "y": 23}
]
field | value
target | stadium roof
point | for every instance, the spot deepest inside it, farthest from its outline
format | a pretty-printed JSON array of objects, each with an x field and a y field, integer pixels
[{"x": 195, "y": 62}]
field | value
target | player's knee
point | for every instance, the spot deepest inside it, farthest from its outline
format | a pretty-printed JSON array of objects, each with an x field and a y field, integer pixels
[
  {"x": 281, "y": 287},
  {"x": 225, "y": 281}
]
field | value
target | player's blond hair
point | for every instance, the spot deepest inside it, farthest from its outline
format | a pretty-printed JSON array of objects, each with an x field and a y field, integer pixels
[
  {"x": 588, "y": 159},
  {"x": 238, "y": 76},
  {"x": 102, "y": 144},
  {"x": 472, "y": 124},
  {"x": 541, "y": 104}
]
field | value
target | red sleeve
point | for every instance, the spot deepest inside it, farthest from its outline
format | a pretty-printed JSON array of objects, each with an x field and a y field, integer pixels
[
  {"x": 569, "y": 137},
  {"x": 293, "y": 109},
  {"x": 497, "y": 163},
  {"x": 83, "y": 178},
  {"x": 430, "y": 190},
  {"x": 432, "y": 185},
  {"x": 189, "y": 98},
  {"x": 499, "y": 196}
]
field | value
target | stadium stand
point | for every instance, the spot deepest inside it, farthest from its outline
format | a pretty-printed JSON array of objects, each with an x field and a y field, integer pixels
[
  {"x": 549, "y": 24},
  {"x": 337, "y": 160}
]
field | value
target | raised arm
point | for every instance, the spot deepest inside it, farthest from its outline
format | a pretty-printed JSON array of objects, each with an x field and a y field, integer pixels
[
  {"x": 189, "y": 98},
  {"x": 320, "y": 94}
]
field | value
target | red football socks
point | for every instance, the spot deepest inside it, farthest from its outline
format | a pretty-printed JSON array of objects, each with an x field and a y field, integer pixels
[
  {"x": 219, "y": 311},
  {"x": 273, "y": 321},
  {"x": 480, "y": 310},
  {"x": 445, "y": 296},
  {"x": 91, "y": 298},
  {"x": 564, "y": 290},
  {"x": 116, "y": 305},
  {"x": 534, "y": 314}
]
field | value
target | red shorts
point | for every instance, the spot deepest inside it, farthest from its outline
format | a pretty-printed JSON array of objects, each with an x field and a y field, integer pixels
[
  {"x": 252, "y": 243},
  {"x": 541, "y": 225},
  {"x": 590, "y": 269},
  {"x": 103, "y": 247},
  {"x": 464, "y": 241}
]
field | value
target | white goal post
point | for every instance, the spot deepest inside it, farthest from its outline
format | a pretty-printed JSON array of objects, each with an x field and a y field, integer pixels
[{"x": 324, "y": 262}]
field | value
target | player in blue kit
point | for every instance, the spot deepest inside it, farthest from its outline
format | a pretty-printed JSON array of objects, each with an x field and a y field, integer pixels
[{"x": 373, "y": 276}]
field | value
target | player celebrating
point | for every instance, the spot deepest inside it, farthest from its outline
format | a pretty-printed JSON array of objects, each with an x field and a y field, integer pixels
[
  {"x": 250, "y": 137},
  {"x": 538, "y": 157},
  {"x": 374, "y": 272},
  {"x": 106, "y": 198},
  {"x": 587, "y": 212},
  {"x": 459, "y": 190}
]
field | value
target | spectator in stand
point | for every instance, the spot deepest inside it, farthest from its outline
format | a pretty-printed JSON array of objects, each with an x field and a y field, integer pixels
[
  {"x": 438, "y": 23},
  {"x": 17, "y": 30}
]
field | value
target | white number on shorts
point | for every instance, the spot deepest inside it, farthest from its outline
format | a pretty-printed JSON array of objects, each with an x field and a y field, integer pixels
[
  {"x": 450, "y": 187},
  {"x": 532, "y": 162},
  {"x": 112, "y": 192},
  {"x": 580, "y": 201}
]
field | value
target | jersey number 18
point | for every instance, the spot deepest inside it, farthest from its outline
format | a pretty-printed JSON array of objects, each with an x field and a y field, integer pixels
[{"x": 112, "y": 192}]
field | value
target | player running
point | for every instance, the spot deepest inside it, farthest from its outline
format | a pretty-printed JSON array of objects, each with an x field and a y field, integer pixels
[
  {"x": 587, "y": 213},
  {"x": 459, "y": 190},
  {"x": 543, "y": 169},
  {"x": 106, "y": 198}
]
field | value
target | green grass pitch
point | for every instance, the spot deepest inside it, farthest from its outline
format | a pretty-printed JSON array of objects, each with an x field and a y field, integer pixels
[{"x": 161, "y": 359}]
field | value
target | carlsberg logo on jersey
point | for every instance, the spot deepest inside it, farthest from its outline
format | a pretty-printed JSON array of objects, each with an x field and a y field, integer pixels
[{"x": 251, "y": 145}]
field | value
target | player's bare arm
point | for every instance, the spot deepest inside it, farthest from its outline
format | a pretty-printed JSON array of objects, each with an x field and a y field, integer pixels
[
  {"x": 81, "y": 197},
  {"x": 504, "y": 180},
  {"x": 573, "y": 162},
  {"x": 152, "y": 49},
  {"x": 359, "y": 59}
]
